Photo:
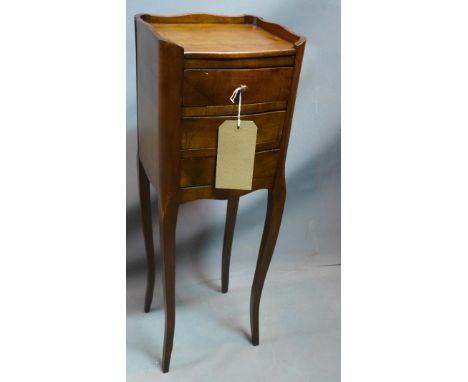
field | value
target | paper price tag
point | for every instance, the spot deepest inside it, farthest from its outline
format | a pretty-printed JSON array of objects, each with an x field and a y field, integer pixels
[{"x": 236, "y": 155}]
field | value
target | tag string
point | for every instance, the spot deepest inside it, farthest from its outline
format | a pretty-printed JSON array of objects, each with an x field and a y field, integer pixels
[{"x": 238, "y": 91}]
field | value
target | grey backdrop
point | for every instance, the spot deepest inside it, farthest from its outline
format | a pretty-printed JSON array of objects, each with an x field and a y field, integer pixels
[{"x": 310, "y": 233}]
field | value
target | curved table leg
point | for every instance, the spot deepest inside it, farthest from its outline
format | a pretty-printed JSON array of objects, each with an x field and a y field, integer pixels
[
  {"x": 231, "y": 215},
  {"x": 167, "y": 232},
  {"x": 146, "y": 221},
  {"x": 276, "y": 199}
]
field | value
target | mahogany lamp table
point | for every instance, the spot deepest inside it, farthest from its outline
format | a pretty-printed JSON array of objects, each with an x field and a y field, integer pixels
[{"x": 187, "y": 68}]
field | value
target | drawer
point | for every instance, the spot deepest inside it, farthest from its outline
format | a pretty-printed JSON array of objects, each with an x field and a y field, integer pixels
[
  {"x": 213, "y": 87},
  {"x": 201, "y": 171},
  {"x": 200, "y": 134}
]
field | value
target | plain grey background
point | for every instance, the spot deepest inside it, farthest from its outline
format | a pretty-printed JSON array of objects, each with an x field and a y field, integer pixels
[{"x": 307, "y": 257}]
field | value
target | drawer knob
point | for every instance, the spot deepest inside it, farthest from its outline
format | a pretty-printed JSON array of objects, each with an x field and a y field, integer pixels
[{"x": 237, "y": 92}]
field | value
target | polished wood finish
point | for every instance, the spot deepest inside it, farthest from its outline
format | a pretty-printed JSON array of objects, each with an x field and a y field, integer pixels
[
  {"x": 159, "y": 93},
  {"x": 189, "y": 194},
  {"x": 262, "y": 107},
  {"x": 167, "y": 233},
  {"x": 246, "y": 40},
  {"x": 276, "y": 199},
  {"x": 239, "y": 63},
  {"x": 187, "y": 68},
  {"x": 231, "y": 215},
  {"x": 147, "y": 225},
  {"x": 201, "y": 134},
  {"x": 159, "y": 68},
  {"x": 201, "y": 171},
  {"x": 209, "y": 87}
]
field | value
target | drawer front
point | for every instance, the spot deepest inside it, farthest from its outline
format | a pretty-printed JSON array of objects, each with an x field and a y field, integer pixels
[
  {"x": 213, "y": 87},
  {"x": 202, "y": 132},
  {"x": 201, "y": 171}
]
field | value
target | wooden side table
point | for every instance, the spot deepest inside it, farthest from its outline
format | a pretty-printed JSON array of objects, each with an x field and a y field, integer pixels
[{"x": 187, "y": 68}]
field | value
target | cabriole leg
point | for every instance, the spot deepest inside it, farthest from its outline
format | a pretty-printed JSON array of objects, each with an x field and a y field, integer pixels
[
  {"x": 276, "y": 199},
  {"x": 231, "y": 215},
  {"x": 146, "y": 221},
  {"x": 167, "y": 229}
]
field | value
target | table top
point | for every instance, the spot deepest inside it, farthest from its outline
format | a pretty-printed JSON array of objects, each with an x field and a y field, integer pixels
[{"x": 240, "y": 39}]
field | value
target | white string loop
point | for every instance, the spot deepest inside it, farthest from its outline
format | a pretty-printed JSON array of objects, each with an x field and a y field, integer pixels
[{"x": 238, "y": 91}]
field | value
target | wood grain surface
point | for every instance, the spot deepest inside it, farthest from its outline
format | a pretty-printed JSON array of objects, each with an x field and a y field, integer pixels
[{"x": 187, "y": 68}]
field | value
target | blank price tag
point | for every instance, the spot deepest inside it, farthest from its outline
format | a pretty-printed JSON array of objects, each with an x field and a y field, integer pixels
[{"x": 236, "y": 154}]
